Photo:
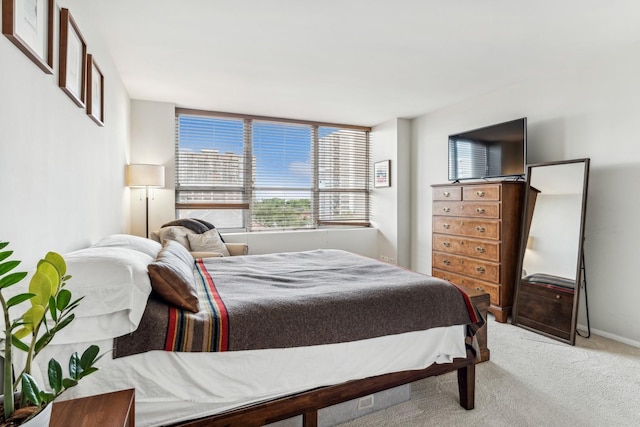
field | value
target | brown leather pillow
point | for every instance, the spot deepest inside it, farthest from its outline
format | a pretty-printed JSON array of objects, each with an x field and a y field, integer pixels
[{"x": 172, "y": 276}]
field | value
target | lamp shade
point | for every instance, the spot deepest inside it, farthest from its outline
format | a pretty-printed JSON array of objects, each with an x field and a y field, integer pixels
[{"x": 145, "y": 175}]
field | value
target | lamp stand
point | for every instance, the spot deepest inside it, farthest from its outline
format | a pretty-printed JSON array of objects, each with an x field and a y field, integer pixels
[
  {"x": 145, "y": 175},
  {"x": 146, "y": 218}
]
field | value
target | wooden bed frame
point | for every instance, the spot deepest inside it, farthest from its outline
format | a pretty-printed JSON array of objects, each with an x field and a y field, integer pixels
[{"x": 308, "y": 403}]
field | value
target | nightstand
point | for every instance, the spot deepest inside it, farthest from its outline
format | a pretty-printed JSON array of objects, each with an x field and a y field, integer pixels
[{"x": 115, "y": 409}]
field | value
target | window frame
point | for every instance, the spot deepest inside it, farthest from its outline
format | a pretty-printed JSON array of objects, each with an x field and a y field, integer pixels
[{"x": 249, "y": 187}]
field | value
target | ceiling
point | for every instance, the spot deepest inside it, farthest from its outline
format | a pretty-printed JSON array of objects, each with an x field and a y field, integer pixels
[{"x": 352, "y": 61}]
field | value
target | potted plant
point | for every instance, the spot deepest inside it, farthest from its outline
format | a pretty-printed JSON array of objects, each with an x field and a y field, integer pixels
[{"x": 49, "y": 308}]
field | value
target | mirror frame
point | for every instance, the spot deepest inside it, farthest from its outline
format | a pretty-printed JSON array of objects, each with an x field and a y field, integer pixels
[{"x": 525, "y": 224}]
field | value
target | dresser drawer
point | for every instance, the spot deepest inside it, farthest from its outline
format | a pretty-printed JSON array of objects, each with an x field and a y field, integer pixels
[
  {"x": 492, "y": 289},
  {"x": 546, "y": 308},
  {"x": 484, "y": 270},
  {"x": 481, "y": 192},
  {"x": 467, "y": 209},
  {"x": 447, "y": 193},
  {"x": 482, "y": 228},
  {"x": 474, "y": 248}
]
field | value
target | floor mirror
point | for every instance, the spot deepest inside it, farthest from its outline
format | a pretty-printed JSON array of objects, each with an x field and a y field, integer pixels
[{"x": 551, "y": 258}]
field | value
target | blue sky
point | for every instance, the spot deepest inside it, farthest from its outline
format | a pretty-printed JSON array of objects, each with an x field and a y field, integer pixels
[{"x": 288, "y": 167}]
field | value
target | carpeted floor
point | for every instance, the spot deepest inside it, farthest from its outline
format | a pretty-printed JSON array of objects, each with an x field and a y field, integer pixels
[{"x": 530, "y": 381}]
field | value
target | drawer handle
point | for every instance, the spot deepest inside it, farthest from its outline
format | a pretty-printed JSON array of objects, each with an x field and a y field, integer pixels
[
  {"x": 480, "y": 193},
  {"x": 446, "y": 194},
  {"x": 480, "y": 249},
  {"x": 446, "y": 262},
  {"x": 558, "y": 296},
  {"x": 446, "y": 209},
  {"x": 480, "y": 229},
  {"x": 478, "y": 288},
  {"x": 446, "y": 244},
  {"x": 446, "y": 226},
  {"x": 480, "y": 210},
  {"x": 480, "y": 269}
]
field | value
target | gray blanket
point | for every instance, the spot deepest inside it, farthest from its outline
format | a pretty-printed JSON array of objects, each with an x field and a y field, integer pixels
[{"x": 298, "y": 299}]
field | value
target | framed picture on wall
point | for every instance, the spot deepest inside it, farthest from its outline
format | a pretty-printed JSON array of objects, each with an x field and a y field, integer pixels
[
  {"x": 29, "y": 26},
  {"x": 95, "y": 91},
  {"x": 382, "y": 173},
  {"x": 73, "y": 59}
]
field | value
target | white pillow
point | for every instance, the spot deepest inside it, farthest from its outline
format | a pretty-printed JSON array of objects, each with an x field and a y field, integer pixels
[
  {"x": 208, "y": 242},
  {"x": 115, "y": 285},
  {"x": 148, "y": 246}
]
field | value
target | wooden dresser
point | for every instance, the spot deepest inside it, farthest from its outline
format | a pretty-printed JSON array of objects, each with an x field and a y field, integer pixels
[{"x": 476, "y": 238}]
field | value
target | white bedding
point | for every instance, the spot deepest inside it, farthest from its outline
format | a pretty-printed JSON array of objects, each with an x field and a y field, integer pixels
[{"x": 173, "y": 387}]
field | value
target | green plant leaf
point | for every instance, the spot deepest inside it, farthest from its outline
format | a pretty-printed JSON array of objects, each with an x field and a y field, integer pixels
[
  {"x": 46, "y": 397},
  {"x": 89, "y": 356},
  {"x": 52, "y": 309},
  {"x": 22, "y": 332},
  {"x": 5, "y": 255},
  {"x": 64, "y": 297},
  {"x": 11, "y": 279},
  {"x": 48, "y": 269},
  {"x": 19, "y": 344},
  {"x": 72, "y": 306},
  {"x": 44, "y": 340},
  {"x": 30, "y": 389},
  {"x": 18, "y": 299},
  {"x": 41, "y": 286},
  {"x": 3, "y": 245},
  {"x": 63, "y": 323},
  {"x": 55, "y": 375},
  {"x": 33, "y": 317},
  {"x": 68, "y": 383},
  {"x": 74, "y": 366},
  {"x": 89, "y": 371},
  {"x": 8, "y": 266},
  {"x": 58, "y": 262}
]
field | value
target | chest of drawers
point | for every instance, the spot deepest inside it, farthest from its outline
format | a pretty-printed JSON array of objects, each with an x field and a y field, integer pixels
[{"x": 476, "y": 238}]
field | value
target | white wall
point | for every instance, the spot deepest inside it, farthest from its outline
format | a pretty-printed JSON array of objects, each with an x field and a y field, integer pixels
[
  {"x": 153, "y": 142},
  {"x": 587, "y": 110},
  {"x": 62, "y": 183},
  {"x": 391, "y": 206}
]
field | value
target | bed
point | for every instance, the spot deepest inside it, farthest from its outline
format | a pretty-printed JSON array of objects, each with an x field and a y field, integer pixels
[{"x": 288, "y": 364}]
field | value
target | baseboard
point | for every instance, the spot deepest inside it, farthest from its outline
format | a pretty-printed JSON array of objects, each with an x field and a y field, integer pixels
[{"x": 583, "y": 328}]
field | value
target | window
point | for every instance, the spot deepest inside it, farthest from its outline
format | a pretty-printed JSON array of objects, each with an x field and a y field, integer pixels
[{"x": 256, "y": 174}]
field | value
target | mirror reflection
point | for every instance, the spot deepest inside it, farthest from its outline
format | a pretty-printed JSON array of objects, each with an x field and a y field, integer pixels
[{"x": 551, "y": 248}]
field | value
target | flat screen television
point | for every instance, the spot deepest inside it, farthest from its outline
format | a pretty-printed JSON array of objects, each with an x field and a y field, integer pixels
[{"x": 494, "y": 151}]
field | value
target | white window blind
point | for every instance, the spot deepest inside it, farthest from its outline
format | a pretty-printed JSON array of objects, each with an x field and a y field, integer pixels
[
  {"x": 211, "y": 172},
  {"x": 343, "y": 176},
  {"x": 265, "y": 174}
]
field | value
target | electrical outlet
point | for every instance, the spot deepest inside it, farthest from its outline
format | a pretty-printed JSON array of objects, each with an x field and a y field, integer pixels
[
  {"x": 365, "y": 402},
  {"x": 384, "y": 258},
  {"x": 392, "y": 261}
]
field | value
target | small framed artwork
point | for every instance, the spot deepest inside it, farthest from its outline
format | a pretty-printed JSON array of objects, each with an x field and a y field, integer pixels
[
  {"x": 29, "y": 26},
  {"x": 95, "y": 91},
  {"x": 73, "y": 59},
  {"x": 382, "y": 173}
]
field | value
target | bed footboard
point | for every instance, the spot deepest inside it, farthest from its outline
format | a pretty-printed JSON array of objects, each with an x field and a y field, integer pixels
[{"x": 309, "y": 402}]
